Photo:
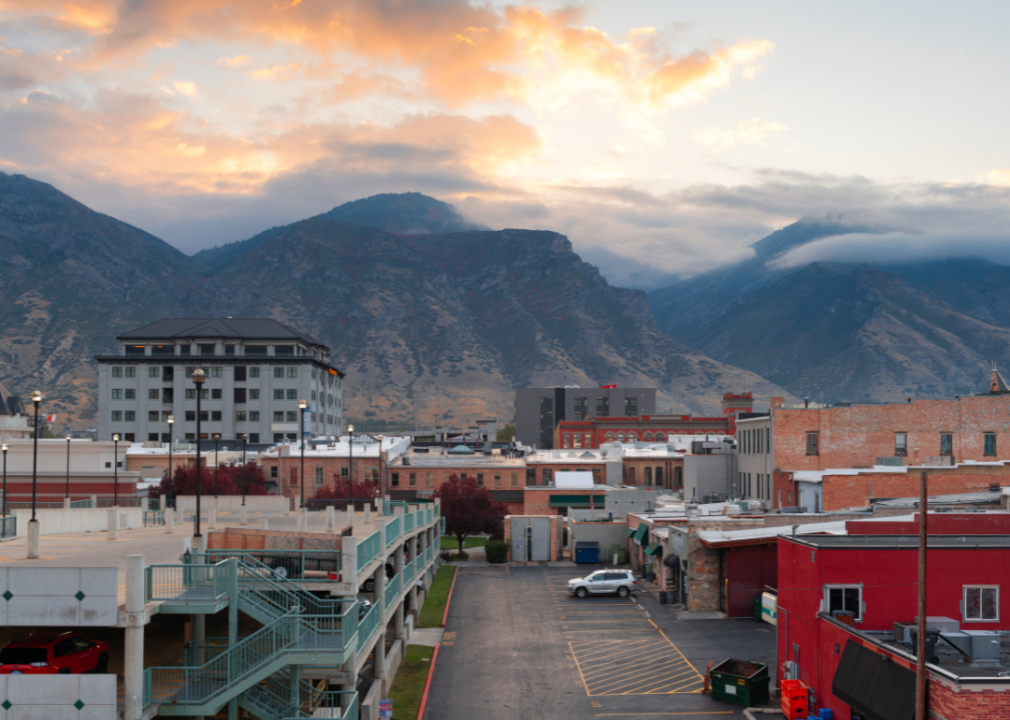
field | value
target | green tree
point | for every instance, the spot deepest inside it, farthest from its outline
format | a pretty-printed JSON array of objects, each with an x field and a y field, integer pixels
[{"x": 507, "y": 433}]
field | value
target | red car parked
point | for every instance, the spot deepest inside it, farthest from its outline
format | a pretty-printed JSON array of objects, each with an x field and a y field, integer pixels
[{"x": 54, "y": 653}]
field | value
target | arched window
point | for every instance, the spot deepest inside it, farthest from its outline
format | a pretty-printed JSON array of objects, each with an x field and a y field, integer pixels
[
  {"x": 678, "y": 478},
  {"x": 620, "y": 437},
  {"x": 659, "y": 475},
  {"x": 660, "y": 437},
  {"x": 610, "y": 436},
  {"x": 647, "y": 476},
  {"x": 648, "y": 437}
]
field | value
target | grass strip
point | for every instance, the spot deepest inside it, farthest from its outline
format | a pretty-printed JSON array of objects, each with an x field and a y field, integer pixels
[
  {"x": 448, "y": 542},
  {"x": 408, "y": 685},
  {"x": 434, "y": 605}
]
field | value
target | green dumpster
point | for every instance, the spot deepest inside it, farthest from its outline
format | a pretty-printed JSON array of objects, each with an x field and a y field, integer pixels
[{"x": 740, "y": 682}]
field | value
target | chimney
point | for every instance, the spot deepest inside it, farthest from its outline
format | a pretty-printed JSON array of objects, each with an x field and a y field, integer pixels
[{"x": 806, "y": 402}]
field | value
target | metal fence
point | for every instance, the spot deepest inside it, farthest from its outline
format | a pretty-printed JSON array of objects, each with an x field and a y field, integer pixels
[
  {"x": 154, "y": 517},
  {"x": 80, "y": 504},
  {"x": 38, "y": 506},
  {"x": 8, "y": 527},
  {"x": 290, "y": 564},
  {"x": 122, "y": 502},
  {"x": 368, "y": 549}
]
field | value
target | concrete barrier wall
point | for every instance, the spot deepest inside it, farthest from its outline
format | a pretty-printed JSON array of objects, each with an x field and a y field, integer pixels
[
  {"x": 255, "y": 503},
  {"x": 77, "y": 520},
  {"x": 52, "y": 697},
  {"x": 58, "y": 596}
]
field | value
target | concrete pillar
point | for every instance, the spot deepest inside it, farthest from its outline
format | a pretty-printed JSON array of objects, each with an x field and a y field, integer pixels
[
  {"x": 133, "y": 647},
  {"x": 33, "y": 539},
  {"x": 368, "y": 512},
  {"x": 243, "y": 514},
  {"x": 331, "y": 519},
  {"x": 169, "y": 522},
  {"x": 66, "y": 503},
  {"x": 113, "y": 514},
  {"x": 351, "y": 516},
  {"x": 94, "y": 502},
  {"x": 212, "y": 515},
  {"x": 349, "y": 561},
  {"x": 303, "y": 519},
  {"x": 262, "y": 524}
]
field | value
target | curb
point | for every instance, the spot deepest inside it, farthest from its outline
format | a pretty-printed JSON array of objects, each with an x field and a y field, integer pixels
[
  {"x": 448, "y": 599},
  {"x": 427, "y": 684}
]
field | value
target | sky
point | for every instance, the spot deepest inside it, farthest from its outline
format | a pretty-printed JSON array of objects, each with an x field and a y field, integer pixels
[{"x": 662, "y": 137}]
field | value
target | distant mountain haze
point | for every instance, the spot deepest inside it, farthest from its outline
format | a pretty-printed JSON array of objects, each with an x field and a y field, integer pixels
[{"x": 424, "y": 321}]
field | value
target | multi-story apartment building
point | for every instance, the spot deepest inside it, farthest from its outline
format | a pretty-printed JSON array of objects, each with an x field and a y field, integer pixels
[
  {"x": 539, "y": 410},
  {"x": 257, "y": 369}
]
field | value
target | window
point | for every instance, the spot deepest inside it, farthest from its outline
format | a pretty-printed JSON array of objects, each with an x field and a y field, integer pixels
[
  {"x": 292, "y": 416},
  {"x": 167, "y": 372},
  {"x": 152, "y": 437},
  {"x": 292, "y": 372},
  {"x": 514, "y": 480},
  {"x": 278, "y": 416},
  {"x": 292, "y": 394},
  {"x": 567, "y": 440},
  {"x": 981, "y": 603},
  {"x": 581, "y": 408},
  {"x": 312, "y": 396},
  {"x": 239, "y": 372},
  {"x": 480, "y": 479},
  {"x": 152, "y": 416},
  {"x": 254, "y": 372},
  {"x": 128, "y": 437},
  {"x": 990, "y": 443},
  {"x": 215, "y": 394},
  {"x": 117, "y": 394},
  {"x": 130, "y": 394},
  {"x": 292, "y": 476},
  {"x": 395, "y": 479},
  {"x": 255, "y": 350},
  {"x": 254, "y": 438},
  {"x": 164, "y": 415},
  {"x": 900, "y": 443},
  {"x": 278, "y": 394},
  {"x": 238, "y": 395},
  {"x": 497, "y": 480},
  {"x": 183, "y": 350},
  {"x": 130, "y": 371},
  {"x": 217, "y": 372},
  {"x": 372, "y": 473},
  {"x": 647, "y": 475},
  {"x": 531, "y": 476},
  {"x": 254, "y": 394},
  {"x": 191, "y": 416},
  {"x": 577, "y": 441},
  {"x": 207, "y": 349},
  {"x": 117, "y": 416},
  {"x": 630, "y": 476},
  {"x": 278, "y": 437},
  {"x": 254, "y": 416},
  {"x": 602, "y": 407},
  {"x": 659, "y": 475},
  {"x": 630, "y": 407},
  {"x": 812, "y": 443},
  {"x": 429, "y": 480},
  {"x": 847, "y": 598},
  {"x": 117, "y": 372},
  {"x": 946, "y": 443},
  {"x": 134, "y": 350},
  {"x": 215, "y": 416},
  {"x": 154, "y": 394},
  {"x": 548, "y": 476},
  {"x": 229, "y": 349},
  {"x": 284, "y": 349},
  {"x": 154, "y": 371},
  {"x": 319, "y": 476},
  {"x": 203, "y": 416},
  {"x": 412, "y": 480},
  {"x": 240, "y": 415},
  {"x": 191, "y": 436},
  {"x": 278, "y": 372},
  {"x": 345, "y": 472}
]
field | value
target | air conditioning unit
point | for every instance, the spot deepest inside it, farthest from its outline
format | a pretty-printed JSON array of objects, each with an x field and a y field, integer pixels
[
  {"x": 979, "y": 647},
  {"x": 903, "y": 632}
]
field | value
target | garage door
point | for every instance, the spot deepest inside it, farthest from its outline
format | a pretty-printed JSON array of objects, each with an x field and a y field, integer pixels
[
  {"x": 520, "y": 546},
  {"x": 540, "y": 535}
]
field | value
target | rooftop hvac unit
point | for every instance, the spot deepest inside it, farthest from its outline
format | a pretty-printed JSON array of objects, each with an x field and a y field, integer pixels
[
  {"x": 978, "y": 646},
  {"x": 903, "y": 632}
]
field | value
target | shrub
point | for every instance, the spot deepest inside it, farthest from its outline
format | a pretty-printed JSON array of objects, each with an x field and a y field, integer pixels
[{"x": 496, "y": 551}]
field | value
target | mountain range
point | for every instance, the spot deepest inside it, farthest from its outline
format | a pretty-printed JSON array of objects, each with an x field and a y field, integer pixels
[
  {"x": 837, "y": 332},
  {"x": 427, "y": 313}
]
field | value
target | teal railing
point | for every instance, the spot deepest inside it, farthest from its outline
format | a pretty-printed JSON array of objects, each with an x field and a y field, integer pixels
[
  {"x": 81, "y": 504},
  {"x": 190, "y": 583},
  {"x": 367, "y": 625},
  {"x": 408, "y": 523},
  {"x": 393, "y": 589},
  {"x": 207, "y": 687},
  {"x": 38, "y": 506},
  {"x": 392, "y": 531},
  {"x": 368, "y": 549},
  {"x": 408, "y": 574},
  {"x": 268, "y": 595},
  {"x": 154, "y": 517},
  {"x": 290, "y": 564},
  {"x": 389, "y": 506},
  {"x": 316, "y": 703},
  {"x": 122, "y": 502},
  {"x": 8, "y": 526}
]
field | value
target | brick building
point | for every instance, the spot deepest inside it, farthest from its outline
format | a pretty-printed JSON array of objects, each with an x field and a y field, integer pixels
[
  {"x": 539, "y": 410},
  {"x": 874, "y": 578},
  {"x": 85, "y": 466},
  {"x": 649, "y": 428},
  {"x": 960, "y": 429}
]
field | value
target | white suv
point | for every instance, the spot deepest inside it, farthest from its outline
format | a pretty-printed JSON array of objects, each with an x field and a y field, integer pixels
[{"x": 604, "y": 582}]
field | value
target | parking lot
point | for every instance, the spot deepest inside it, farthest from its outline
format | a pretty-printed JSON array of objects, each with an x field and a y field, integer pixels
[{"x": 518, "y": 645}]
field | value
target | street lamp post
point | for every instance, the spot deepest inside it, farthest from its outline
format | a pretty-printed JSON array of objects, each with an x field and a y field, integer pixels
[
  {"x": 68, "y": 467},
  {"x": 115, "y": 471},
  {"x": 217, "y": 439},
  {"x": 171, "y": 422},
  {"x": 199, "y": 378},
  {"x": 5, "y": 449},
  {"x": 36, "y": 401},
  {"x": 301, "y": 433},
  {"x": 244, "y": 439},
  {"x": 350, "y": 468}
]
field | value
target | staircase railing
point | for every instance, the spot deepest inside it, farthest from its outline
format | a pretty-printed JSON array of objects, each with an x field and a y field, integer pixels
[{"x": 191, "y": 583}]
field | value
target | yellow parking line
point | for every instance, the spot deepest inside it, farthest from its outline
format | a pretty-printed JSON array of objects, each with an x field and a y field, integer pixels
[
  {"x": 621, "y": 677},
  {"x": 636, "y": 688},
  {"x": 606, "y": 655}
]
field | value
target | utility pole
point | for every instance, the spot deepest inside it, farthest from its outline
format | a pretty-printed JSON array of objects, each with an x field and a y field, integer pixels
[{"x": 920, "y": 652}]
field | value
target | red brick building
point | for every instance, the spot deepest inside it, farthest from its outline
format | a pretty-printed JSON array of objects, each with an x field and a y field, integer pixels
[{"x": 575, "y": 434}]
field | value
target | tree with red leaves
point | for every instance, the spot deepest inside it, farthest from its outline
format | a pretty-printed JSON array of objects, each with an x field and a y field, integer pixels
[
  {"x": 366, "y": 490},
  {"x": 469, "y": 509},
  {"x": 229, "y": 481}
]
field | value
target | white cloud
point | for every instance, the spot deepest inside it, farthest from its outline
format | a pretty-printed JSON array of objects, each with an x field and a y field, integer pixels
[
  {"x": 186, "y": 88},
  {"x": 745, "y": 132}
]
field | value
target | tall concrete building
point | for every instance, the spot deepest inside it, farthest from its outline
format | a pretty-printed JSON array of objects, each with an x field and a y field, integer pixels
[
  {"x": 539, "y": 410},
  {"x": 257, "y": 371}
]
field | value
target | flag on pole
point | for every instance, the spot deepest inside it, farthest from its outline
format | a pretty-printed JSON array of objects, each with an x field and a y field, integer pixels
[{"x": 51, "y": 418}]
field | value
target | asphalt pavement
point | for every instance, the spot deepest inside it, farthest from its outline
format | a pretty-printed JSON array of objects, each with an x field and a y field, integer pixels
[{"x": 517, "y": 645}]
